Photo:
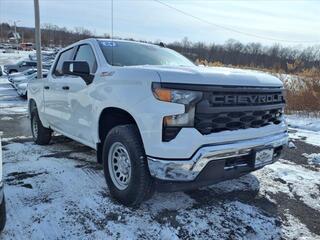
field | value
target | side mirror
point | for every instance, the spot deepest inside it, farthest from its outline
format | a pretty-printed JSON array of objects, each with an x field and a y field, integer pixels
[{"x": 78, "y": 68}]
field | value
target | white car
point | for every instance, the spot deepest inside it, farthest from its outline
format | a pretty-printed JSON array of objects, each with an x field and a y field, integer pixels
[
  {"x": 157, "y": 121},
  {"x": 27, "y": 72},
  {"x": 22, "y": 89},
  {"x": 26, "y": 78}
]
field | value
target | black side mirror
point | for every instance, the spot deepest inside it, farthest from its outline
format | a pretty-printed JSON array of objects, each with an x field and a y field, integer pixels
[{"x": 78, "y": 68}]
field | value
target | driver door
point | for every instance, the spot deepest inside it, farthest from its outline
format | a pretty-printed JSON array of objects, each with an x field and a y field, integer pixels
[{"x": 79, "y": 101}]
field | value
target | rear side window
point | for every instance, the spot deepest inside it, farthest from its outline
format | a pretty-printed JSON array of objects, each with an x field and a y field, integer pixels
[
  {"x": 85, "y": 53},
  {"x": 64, "y": 56}
]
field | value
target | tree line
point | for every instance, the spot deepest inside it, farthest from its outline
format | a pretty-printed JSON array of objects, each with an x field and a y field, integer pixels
[
  {"x": 253, "y": 55},
  {"x": 232, "y": 52}
]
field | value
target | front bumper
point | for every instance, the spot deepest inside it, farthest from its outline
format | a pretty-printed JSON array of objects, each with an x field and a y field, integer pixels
[{"x": 235, "y": 156}]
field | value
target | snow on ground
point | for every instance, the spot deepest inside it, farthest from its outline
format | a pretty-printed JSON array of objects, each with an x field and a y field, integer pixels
[
  {"x": 10, "y": 101},
  {"x": 311, "y": 137},
  {"x": 307, "y": 123},
  {"x": 59, "y": 192},
  {"x": 305, "y": 129},
  {"x": 305, "y": 182},
  {"x": 313, "y": 158}
]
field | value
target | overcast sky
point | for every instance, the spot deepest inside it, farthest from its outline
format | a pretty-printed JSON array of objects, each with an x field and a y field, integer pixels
[{"x": 292, "y": 20}]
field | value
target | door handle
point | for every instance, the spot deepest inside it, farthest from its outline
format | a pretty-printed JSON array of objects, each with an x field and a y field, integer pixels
[
  {"x": 46, "y": 87},
  {"x": 65, "y": 87}
]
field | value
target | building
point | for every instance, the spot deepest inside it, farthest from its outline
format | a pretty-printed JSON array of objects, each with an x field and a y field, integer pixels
[{"x": 14, "y": 37}]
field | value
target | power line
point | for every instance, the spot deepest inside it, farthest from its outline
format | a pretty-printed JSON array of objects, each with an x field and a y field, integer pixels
[{"x": 230, "y": 29}]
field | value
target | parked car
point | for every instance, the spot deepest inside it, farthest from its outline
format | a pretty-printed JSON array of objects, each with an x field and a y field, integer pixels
[
  {"x": 21, "y": 86},
  {"x": 22, "y": 89},
  {"x": 27, "y": 78},
  {"x": 156, "y": 120},
  {"x": 46, "y": 56},
  {"x": 1, "y": 71},
  {"x": 3, "y": 216},
  {"x": 33, "y": 56},
  {"x": 47, "y": 65},
  {"x": 19, "y": 67},
  {"x": 20, "y": 74}
]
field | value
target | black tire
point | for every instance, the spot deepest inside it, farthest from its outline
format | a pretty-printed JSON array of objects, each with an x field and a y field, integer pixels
[
  {"x": 3, "y": 215},
  {"x": 13, "y": 71},
  {"x": 140, "y": 186},
  {"x": 41, "y": 135},
  {"x": 25, "y": 96}
]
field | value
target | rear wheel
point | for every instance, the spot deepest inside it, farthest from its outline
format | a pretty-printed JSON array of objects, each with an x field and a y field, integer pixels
[
  {"x": 12, "y": 71},
  {"x": 125, "y": 166},
  {"x": 41, "y": 135}
]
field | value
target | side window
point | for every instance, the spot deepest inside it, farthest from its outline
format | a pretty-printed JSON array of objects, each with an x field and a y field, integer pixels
[
  {"x": 85, "y": 53},
  {"x": 64, "y": 56},
  {"x": 32, "y": 64}
]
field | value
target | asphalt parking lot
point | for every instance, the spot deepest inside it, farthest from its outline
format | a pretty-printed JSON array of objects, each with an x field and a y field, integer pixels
[{"x": 59, "y": 192}]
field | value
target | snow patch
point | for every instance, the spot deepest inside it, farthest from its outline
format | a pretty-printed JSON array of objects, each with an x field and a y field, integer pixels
[
  {"x": 6, "y": 118},
  {"x": 310, "y": 137},
  {"x": 313, "y": 158},
  {"x": 290, "y": 230},
  {"x": 291, "y": 145},
  {"x": 294, "y": 180},
  {"x": 307, "y": 123}
]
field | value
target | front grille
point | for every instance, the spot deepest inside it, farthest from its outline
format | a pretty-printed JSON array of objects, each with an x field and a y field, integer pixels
[{"x": 229, "y": 109}]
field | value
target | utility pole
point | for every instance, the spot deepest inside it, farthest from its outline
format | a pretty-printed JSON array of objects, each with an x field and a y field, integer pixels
[
  {"x": 38, "y": 38},
  {"x": 15, "y": 32}
]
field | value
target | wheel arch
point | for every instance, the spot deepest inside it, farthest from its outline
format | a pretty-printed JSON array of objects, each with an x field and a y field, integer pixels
[{"x": 109, "y": 118}]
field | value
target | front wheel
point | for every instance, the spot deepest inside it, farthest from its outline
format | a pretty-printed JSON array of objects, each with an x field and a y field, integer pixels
[
  {"x": 125, "y": 166},
  {"x": 40, "y": 134}
]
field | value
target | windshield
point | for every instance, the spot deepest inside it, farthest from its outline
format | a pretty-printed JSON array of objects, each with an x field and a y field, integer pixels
[{"x": 118, "y": 53}]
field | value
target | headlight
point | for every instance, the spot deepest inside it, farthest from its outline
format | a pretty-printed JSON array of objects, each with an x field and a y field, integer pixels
[{"x": 185, "y": 97}]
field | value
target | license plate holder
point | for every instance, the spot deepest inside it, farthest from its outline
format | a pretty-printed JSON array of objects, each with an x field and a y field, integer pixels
[{"x": 263, "y": 157}]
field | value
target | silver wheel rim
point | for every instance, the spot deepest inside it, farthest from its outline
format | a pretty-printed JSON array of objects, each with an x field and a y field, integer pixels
[
  {"x": 119, "y": 165},
  {"x": 34, "y": 128}
]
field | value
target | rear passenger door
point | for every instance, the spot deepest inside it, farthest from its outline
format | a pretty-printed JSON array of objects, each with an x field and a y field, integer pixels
[{"x": 80, "y": 105}]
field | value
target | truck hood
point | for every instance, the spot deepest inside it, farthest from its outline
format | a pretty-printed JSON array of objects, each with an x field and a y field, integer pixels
[{"x": 214, "y": 76}]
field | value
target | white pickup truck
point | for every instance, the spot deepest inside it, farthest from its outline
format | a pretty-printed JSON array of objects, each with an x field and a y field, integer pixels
[{"x": 156, "y": 120}]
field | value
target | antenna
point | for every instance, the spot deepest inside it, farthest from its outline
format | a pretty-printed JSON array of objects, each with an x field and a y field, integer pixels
[{"x": 112, "y": 31}]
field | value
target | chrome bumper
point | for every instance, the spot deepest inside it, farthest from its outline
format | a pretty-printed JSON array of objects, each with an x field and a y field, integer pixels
[{"x": 188, "y": 170}]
